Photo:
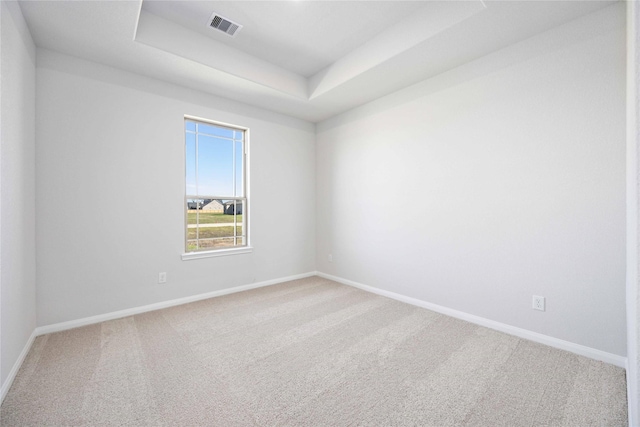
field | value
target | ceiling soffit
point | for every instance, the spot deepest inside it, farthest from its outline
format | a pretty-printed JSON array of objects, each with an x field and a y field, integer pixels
[
  {"x": 429, "y": 20},
  {"x": 436, "y": 37}
]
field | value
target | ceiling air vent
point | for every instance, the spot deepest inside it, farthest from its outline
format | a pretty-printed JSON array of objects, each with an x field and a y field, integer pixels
[{"x": 225, "y": 25}]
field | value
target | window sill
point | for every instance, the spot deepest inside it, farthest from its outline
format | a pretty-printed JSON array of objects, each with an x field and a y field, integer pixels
[{"x": 220, "y": 252}]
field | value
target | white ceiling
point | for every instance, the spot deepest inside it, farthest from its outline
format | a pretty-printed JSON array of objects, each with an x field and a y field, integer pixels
[
  {"x": 306, "y": 59},
  {"x": 302, "y": 37}
]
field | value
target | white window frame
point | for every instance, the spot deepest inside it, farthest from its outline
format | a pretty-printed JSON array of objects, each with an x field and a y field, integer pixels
[{"x": 246, "y": 248}]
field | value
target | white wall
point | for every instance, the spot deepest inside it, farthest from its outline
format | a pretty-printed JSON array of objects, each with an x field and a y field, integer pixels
[
  {"x": 633, "y": 220},
  {"x": 110, "y": 191},
  {"x": 17, "y": 187},
  {"x": 502, "y": 179}
]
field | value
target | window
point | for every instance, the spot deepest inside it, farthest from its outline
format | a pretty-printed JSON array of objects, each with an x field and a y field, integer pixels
[{"x": 216, "y": 196}]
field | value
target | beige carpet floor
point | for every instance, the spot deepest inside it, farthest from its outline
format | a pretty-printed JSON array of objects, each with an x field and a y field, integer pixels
[{"x": 309, "y": 352}]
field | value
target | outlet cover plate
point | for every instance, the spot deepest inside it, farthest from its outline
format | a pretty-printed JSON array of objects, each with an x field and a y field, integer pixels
[{"x": 538, "y": 303}]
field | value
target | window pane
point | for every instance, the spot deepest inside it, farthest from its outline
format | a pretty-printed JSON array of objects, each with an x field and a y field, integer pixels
[
  {"x": 214, "y": 231},
  {"x": 193, "y": 205},
  {"x": 234, "y": 208},
  {"x": 215, "y": 130},
  {"x": 191, "y": 163},
  {"x": 238, "y": 167},
  {"x": 215, "y": 166},
  {"x": 214, "y": 224},
  {"x": 193, "y": 212},
  {"x": 225, "y": 242},
  {"x": 240, "y": 224}
]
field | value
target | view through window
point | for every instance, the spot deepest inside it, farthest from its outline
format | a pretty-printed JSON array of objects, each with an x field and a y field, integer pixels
[{"x": 215, "y": 201}]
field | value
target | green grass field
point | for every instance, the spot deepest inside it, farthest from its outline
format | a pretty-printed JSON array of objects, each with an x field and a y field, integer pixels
[
  {"x": 223, "y": 233},
  {"x": 210, "y": 232},
  {"x": 214, "y": 244},
  {"x": 224, "y": 242},
  {"x": 211, "y": 218}
]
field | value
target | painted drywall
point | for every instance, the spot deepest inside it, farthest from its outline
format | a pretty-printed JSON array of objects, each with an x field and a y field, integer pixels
[
  {"x": 491, "y": 183},
  {"x": 633, "y": 220},
  {"x": 110, "y": 187},
  {"x": 17, "y": 187}
]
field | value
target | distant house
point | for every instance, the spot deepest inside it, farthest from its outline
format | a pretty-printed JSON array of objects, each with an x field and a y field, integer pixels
[
  {"x": 201, "y": 204},
  {"x": 214, "y": 206},
  {"x": 229, "y": 208}
]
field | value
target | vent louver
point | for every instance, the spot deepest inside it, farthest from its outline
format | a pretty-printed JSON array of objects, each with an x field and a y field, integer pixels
[{"x": 225, "y": 25}]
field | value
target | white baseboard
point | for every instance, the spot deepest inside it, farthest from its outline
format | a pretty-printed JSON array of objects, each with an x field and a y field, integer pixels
[
  {"x": 16, "y": 367},
  {"x": 63, "y": 326},
  {"x": 581, "y": 350}
]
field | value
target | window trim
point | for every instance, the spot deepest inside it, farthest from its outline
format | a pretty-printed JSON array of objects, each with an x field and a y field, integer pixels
[
  {"x": 216, "y": 253},
  {"x": 235, "y": 250}
]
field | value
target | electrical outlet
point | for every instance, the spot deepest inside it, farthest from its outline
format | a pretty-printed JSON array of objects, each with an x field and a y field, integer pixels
[
  {"x": 162, "y": 277},
  {"x": 538, "y": 303},
  {"x": 330, "y": 258}
]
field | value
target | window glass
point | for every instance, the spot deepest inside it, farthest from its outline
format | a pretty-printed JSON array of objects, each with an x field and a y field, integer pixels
[{"x": 216, "y": 200}]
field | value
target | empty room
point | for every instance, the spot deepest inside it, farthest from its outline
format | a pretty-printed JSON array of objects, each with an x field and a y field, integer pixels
[{"x": 319, "y": 213}]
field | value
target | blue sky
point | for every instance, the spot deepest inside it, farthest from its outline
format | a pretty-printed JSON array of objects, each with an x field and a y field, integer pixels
[{"x": 215, "y": 161}]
